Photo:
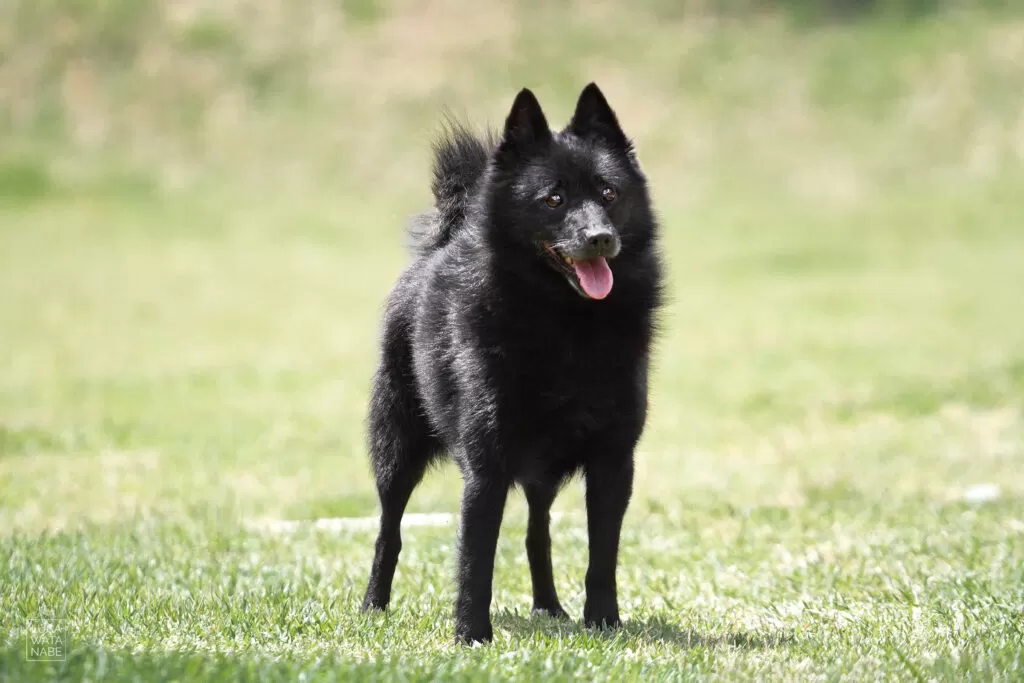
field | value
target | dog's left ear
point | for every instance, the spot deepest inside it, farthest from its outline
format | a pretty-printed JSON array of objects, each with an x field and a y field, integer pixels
[{"x": 594, "y": 119}]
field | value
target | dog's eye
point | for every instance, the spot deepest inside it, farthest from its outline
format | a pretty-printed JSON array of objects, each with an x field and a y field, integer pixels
[
  {"x": 608, "y": 194},
  {"x": 554, "y": 200}
]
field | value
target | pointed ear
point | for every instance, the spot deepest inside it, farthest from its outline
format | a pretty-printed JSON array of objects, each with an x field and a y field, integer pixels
[
  {"x": 525, "y": 126},
  {"x": 594, "y": 119}
]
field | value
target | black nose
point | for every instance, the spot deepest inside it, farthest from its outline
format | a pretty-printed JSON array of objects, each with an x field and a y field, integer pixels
[{"x": 604, "y": 242}]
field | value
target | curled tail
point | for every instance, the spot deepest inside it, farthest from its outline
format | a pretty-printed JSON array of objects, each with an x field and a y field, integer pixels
[{"x": 460, "y": 159}]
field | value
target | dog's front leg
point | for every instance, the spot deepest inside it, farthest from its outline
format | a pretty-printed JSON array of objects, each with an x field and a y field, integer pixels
[
  {"x": 483, "y": 503},
  {"x": 609, "y": 487}
]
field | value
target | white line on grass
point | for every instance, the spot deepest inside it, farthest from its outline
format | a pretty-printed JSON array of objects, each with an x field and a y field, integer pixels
[
  {"x": 340, "y": 524},
  {"x": 982, "y": 493}
]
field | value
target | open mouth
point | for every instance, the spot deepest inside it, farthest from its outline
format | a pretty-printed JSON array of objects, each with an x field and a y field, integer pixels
[{"x": 591, "y": 278}]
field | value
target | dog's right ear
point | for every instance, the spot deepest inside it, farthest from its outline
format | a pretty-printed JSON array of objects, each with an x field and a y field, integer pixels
[{"x": 525, "y": 128}]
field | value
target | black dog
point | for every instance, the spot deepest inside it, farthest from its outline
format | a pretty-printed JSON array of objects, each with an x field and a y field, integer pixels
[{"x": 518, "y": 342}]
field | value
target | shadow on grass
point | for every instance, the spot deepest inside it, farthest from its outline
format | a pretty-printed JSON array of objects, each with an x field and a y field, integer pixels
[
  {"x": 122, "y": 666},
  {"x": 113, "y": 665},
  {"x": 92, "y": 662},
  {"x": 653, "y": 630}
]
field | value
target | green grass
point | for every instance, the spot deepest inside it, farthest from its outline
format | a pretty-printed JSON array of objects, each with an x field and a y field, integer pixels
[{"x": 200, "y": 215}]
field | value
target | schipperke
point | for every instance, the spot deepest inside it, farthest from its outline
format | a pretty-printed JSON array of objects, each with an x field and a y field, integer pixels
[{"x": 518, "y": 342}]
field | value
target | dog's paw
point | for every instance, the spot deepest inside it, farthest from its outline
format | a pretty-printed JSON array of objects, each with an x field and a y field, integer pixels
[
  {"x": 469, "y": 634},
  {"x": 609, "y": 621},
  {"x": 601, "y": 615},
  {"x": 554, "y": 611},
  {"x": 372, "y": 605}
]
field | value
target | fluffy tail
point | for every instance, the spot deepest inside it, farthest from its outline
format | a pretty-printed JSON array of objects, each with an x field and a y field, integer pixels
[{"x": 460, "y": 158}]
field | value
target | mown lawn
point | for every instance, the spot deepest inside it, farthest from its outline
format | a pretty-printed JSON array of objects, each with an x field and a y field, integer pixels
[{"x": 831, "y": 485}]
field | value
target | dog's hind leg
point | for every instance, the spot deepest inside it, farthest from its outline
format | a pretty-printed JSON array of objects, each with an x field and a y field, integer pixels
[
  {"x": 401, "y": 448},
  {"x": 538, "y": 549}
]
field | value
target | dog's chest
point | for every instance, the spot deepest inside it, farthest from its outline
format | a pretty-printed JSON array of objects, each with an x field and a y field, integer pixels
[{"x": 564, "y": 385}]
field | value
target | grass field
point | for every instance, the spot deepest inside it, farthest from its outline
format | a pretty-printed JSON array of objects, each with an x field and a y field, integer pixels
[{"x": 201, "y": 212}]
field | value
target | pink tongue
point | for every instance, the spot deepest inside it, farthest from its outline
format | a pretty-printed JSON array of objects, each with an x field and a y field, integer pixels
[{"x": 595, "y": 277}]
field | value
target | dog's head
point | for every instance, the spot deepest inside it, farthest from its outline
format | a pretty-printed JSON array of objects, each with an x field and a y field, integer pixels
[{"x": 577, "y": 196}]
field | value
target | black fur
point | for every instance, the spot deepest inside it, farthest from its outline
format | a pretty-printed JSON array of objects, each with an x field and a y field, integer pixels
[{"x": 492, "y": 352}]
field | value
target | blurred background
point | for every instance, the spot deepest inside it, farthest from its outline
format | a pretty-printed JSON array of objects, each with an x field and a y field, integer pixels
[{"x": 202, "y": 206}]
